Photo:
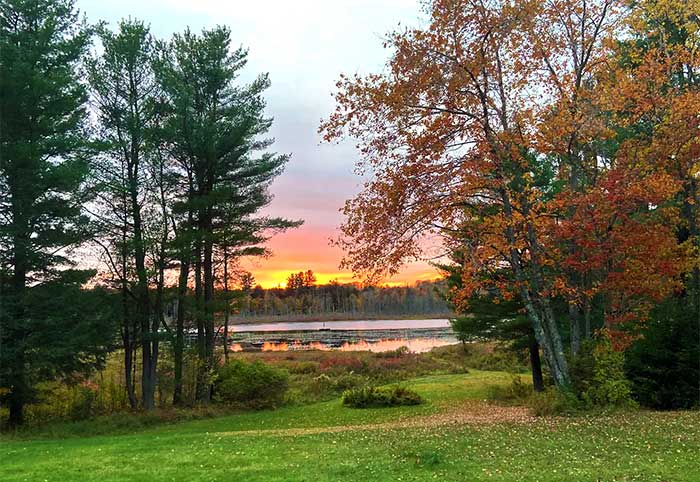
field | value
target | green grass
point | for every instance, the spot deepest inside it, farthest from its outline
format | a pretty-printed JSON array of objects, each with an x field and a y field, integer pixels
[{"x": 626, "y": 446}]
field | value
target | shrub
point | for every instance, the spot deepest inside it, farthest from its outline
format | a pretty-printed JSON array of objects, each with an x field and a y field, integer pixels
[
  {"x": 516, "y": 391},
  {"x": 302, "y": 367},
  {"x": 553, "y": 402},
  {"x": 340, "y": 364},
  {"x": 582, "y": 367},
  {"x": 254, "y": 385},
  {"x": 370, "y": 396},
  {"x": 398, "y": 353},
  {"x": 663, "y": 365},
  {"x": 62, "y": 401},
  {"x": 84, "y": 403},
  {"x": 348, "y": 381},
  {"x": 324, "y": 387},
  {"x": 485, "y": 356},
  {"x": 598, "y": 376}
]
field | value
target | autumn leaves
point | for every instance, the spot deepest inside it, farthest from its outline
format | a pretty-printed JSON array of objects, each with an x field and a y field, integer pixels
[{"x": 555, "y": 144}]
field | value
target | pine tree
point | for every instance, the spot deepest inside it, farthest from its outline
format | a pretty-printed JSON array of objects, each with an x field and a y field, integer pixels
[
  {"x": 124, "y": 92},
  {"x": 215, "y": 132},
  {"x": 44, "y": 162}
]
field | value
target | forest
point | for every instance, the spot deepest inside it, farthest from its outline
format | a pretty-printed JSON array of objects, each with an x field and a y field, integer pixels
[{"x": 302, "y": 296}]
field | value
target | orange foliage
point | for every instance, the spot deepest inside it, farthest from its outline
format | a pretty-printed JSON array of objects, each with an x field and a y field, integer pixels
[{"x": 501, "y": 121}]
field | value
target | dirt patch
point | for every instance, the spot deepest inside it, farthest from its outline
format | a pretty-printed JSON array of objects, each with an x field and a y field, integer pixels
[{"x": 472, "y": 413}]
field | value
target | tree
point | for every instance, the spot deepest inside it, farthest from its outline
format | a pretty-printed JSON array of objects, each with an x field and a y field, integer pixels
[
  {"x": 663, "y": 365},
  {"x": 124, "y": 91},
  {"x": 68, "y": 332},
  {"x": 659, "y": 77},
  {"x": 295, "y": 282},
  {"x": 487, "y": 316},
  {"x": 44, "y": 163},
  {"x": 247, "y": 282},
  {"x": 659, "y": 74},
  {"x": 214, "y": 131},
  {"x": 456, "y": 140}
]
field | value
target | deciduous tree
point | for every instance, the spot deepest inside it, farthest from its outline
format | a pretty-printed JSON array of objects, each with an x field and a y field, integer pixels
[{"x": 494, "y": 120}]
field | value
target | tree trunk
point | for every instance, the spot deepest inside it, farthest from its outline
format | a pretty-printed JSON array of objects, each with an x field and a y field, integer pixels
[
  {"x": 209, "y": 332},
  {"x": 535, "y": 364},
  {"x": 559, "y": 366},
  {"x": 143, "y": 309},
  {"x": 587, "y": 319},
  {"x": 537, "y": 306},
  {"x": 574, "y": 327},
  {"x": 127, "y": 335},
  {"x": 19, "y": 386},
  {"x": 16, "y": 417},
  {"x": 201, "y": 383},
  {"x": 227, "y": 307},
  {"x": 128, "y": 365},
  {"x": 179, "y": 330}
]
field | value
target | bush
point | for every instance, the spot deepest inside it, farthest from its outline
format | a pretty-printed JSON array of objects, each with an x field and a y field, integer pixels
[
  {"x": 516, "y": 391},
  {"x": 553, "y": 402},
  {"x": 254, "y": 385},
  {"x": 398, "y": 353},
  {"x": 486, "y": 356},
  {"x": 599, "y": 377},
  {"x": 340, "y": 364},
  {"x": 367, "y": 397},
  {"x": 663, "y": 365},
  {"x": 348, "y": 381},
  {"x": 324, "y": 387},
  {"x": 582, "y": 367},
  {"x": 302, "y": 367}
]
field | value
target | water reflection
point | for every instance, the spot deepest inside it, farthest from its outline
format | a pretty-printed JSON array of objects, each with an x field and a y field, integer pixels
[
  {"x": 414, "y": 345},
  {"x": 362, "y": 335}
]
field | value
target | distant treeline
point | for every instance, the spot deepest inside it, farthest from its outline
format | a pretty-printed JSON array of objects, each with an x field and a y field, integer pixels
[{"x": 423, "y": 298}]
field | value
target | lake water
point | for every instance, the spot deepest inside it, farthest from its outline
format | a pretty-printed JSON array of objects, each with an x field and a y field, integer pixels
[
  {"x": 357, "y": 335},
  {"x": 352, "y": 325}
]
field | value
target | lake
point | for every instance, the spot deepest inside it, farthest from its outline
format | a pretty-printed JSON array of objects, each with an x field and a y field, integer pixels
[
  {"x": 343, "y": 325},
  {"x": 356, "y": 335}
]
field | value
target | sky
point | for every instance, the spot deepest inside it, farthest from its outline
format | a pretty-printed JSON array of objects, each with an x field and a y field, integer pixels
[{"x": 304, "y": 45}]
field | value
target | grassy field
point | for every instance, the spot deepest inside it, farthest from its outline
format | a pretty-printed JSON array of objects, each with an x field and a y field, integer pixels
[{"x": 454, "y": 436}]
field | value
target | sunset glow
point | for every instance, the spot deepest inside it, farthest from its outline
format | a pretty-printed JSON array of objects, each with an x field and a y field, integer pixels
[
  {"x": 307, "y": 248},
  {"x": 310, "y": 246}
]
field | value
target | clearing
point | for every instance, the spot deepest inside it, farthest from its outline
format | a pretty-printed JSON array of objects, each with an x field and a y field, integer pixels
[{"x": 456, "y": 435}]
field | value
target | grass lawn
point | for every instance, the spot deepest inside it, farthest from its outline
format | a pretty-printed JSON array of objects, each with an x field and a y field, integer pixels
[{"x": 454, "y": 436}]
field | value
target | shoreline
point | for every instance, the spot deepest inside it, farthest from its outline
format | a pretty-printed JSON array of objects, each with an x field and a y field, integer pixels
[{"x": 334, "y": 317}]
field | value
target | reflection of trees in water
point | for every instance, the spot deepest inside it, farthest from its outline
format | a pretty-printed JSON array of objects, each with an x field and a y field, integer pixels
[
  {"x": 415, "y": 345},
  {"x": 416, "y": 340}
]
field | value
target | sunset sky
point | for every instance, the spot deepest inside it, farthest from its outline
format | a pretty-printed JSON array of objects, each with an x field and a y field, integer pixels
[{"x": 304, "y": 45}]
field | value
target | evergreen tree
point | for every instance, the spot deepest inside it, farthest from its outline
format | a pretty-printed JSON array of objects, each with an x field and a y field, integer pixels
[
  {"x": 215, "y": 132},
  {"x": 663, "y": 365},
  {"x": 124, "y": 91},
  {"x": 44, "y": 162}
]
